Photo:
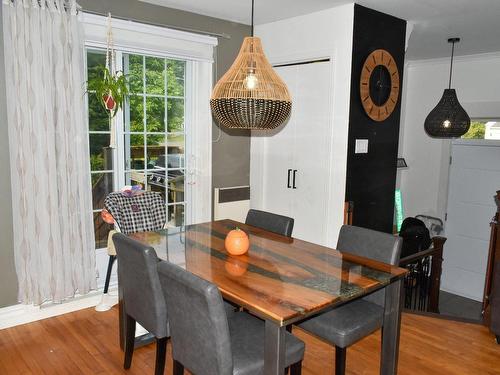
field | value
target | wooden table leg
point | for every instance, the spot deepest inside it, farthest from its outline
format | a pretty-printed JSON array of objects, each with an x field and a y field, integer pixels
[
  {"x": 391, "y": 328},
  {"x": 274, "y": 349}
]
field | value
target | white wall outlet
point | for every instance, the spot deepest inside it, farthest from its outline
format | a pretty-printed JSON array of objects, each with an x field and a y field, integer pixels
[{"x": 361, "y": 146}]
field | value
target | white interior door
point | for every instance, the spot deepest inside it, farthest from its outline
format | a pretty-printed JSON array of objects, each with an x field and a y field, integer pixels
[
  {"x": 278, "y": 157},
  {"x": 312, "y": 125},
  {"x": 474, "y": 179}
]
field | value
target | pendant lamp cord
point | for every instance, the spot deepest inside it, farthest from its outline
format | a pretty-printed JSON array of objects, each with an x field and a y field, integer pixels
[
  {"x": 451, "y": 64},
  {"x": 252, "y": 14}
]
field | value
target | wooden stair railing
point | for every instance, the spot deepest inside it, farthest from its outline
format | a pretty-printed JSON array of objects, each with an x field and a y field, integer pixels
[{"x": 423, "y": 282}]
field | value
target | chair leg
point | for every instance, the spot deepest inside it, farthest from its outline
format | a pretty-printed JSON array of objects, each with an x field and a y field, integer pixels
[
  {"x": 108, "y": 272},
  {"x": 340, "y": 357},
  {"x": 161, "y": 352},
  {"x": 129, "y": 341},
  {"x": 296, "y": 368},
  {"x": 178, "y": 368}
]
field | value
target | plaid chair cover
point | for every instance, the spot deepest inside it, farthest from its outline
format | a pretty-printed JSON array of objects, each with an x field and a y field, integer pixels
[{"x": 139, "y": 213}]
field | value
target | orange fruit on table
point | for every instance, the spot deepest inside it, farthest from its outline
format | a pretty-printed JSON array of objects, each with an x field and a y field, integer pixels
[{"x": 237, "y": 242}]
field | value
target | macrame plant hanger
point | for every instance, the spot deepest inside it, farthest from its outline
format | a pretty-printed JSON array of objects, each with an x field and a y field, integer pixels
[{"x": 108, "y": 100}]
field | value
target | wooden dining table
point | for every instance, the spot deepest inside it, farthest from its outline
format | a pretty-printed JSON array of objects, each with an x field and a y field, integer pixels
[{"x": 282, "y": 280}]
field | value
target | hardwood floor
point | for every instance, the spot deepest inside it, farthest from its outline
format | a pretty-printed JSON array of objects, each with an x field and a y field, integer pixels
[{"x": 85, "y": 342}]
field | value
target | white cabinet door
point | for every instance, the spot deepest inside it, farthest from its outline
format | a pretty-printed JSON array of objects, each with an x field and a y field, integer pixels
[
  {"x": 299, "y": 149},
  {"x": 278, "y": 158},
  {"x": 311, "y": 120}
]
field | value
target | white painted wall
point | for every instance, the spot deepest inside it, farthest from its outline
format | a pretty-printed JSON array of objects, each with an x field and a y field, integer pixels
[
  {"x": 318, "y": 35},
  {"x": 424, "y": 184},
  {"x": 476, "y": 78}
]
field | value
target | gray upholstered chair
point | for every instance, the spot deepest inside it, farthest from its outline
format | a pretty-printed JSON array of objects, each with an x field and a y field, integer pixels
[
  {"x": 143, "y": 299},
  {"x": 351, "y": 322},
  {"x": 205, "y": 340},
  {"x": 272, "y": 222}
]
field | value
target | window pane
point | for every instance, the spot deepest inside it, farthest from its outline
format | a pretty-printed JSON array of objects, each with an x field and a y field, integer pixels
[
  {"x": 101, "y": 155},
  {"x": 155, "y": 115},
  {"x": 155, "y": 80},
  {"x": 101, "y": 230},
  {"x": 175, "y": 151},
  {"x": 95, "y": 62},
  {"x": 175, "y": 77},
  {"x": 135, "y": 108},
  {"x": 134, "y": 151},
  {"x": 155, "y": 151},
  {"x": 135, "y": 178},
  {"x": 98, "y": 116},
  {"x": 135, "y": 73},
  {"x": 175, "y": 216},
  {"x": 175, "y": 186},
  {"x": 175, "y": 115},
  {"x": 102, "y": 185}
]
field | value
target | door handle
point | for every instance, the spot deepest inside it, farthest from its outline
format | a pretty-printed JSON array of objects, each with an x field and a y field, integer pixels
[
  {"x": 288, "y": 183},
  {"x": 293, "y": 181}
]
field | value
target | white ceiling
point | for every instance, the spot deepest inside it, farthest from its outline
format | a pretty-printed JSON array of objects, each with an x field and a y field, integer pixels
[{"x": 476, "y": 22}]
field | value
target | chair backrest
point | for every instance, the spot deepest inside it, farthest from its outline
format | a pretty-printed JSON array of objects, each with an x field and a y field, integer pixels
[
  {"x": 138, "y": 213},
  {"x": 272, "y": 222},
  {"x": 198, "y": 323},
  {"x": 138, "y": 277},
  {"x": 368, "y": 243}
]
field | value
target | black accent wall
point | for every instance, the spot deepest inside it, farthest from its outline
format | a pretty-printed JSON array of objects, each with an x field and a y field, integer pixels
[{"x": 371, "y": 177}]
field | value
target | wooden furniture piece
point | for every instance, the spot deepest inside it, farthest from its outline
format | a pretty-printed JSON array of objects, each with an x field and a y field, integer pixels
[
  {"x": 491, "y": 300},
  {"x": 423, "y": 281},
  {"x": 283, "y": 280}
]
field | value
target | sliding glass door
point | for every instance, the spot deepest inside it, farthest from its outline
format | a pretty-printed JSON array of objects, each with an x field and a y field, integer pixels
[{"x": 151, "y": 134}]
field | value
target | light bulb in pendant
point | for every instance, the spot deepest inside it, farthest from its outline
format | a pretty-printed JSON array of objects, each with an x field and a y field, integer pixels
[
  {"x": 251, "y": 81},
  {"x": 446, "y": 124}
]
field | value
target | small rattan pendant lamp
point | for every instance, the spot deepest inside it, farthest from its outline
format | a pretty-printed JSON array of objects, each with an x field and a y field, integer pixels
[{"x": 251, "y": 95}]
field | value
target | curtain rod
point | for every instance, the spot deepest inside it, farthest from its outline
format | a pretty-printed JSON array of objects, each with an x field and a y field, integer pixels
[{"x": 202, "y": 32}]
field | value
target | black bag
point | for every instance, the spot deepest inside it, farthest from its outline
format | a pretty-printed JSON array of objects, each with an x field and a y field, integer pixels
[{"x": 415, "y": 236}]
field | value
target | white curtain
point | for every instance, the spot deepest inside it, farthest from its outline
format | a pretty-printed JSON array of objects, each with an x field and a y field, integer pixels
[{"x": 51, "y": 196}]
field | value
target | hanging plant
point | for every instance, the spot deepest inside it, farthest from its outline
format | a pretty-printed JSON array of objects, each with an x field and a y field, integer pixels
[
  {"x": 110, "y": 86},
  {"x": 110, "y": 89}
]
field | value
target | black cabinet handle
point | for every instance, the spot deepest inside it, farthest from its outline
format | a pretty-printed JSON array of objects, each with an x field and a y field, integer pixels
[
  {"x": 294, "y": 174},
  {"x": 288, "y": 183}
]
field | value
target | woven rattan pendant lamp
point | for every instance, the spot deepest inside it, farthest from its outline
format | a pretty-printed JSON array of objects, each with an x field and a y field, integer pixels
[
  {"x": 448, "y": 119},
  {"x": 251, "y": 95}
]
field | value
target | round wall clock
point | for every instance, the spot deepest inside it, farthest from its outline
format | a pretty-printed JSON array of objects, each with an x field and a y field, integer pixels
[{"x": 379, "y": 85}]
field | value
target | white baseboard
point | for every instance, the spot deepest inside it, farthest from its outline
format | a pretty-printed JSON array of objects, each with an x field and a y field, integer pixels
[{"x": 15, "y": 315}]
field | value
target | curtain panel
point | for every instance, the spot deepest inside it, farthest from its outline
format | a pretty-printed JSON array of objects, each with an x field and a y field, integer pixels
[{"x": 47, "y": 120}]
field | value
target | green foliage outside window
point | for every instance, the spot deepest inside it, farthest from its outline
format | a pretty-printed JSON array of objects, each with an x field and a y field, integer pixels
[{"x": 476, "y": 131}]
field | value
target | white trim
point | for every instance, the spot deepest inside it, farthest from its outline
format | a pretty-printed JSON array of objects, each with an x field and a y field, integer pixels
[
  {"x": 129, "y": 36},
  {"x": 15, "y": 315},
  {"x": 476, "y": 142},
  {"x": 94, "y": 19},
  {"x": 446, "y": 60}
]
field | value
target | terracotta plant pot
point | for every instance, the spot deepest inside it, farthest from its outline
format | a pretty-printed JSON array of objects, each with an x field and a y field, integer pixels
[
  {"x": 109, "y": 102},
  {"x": 237, "y": 242}
]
